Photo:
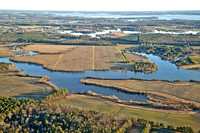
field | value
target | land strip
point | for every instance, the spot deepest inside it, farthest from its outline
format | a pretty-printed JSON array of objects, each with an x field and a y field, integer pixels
[
  {"x": 175, "y": 95},
  {"x": 91, "y": 102}
]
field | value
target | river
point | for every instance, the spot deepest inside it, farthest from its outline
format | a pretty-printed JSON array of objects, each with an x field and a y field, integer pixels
[{"x": 71, "y": 80}]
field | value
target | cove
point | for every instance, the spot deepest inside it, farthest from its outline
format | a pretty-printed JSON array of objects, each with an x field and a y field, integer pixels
[{"x": 71, "y": 80}]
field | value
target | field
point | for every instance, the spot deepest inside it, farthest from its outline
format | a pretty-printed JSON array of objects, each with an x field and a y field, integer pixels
[
  {"x": 185, "y": 90},
  {"x": 48, "y": 49},
  {"x": 89, "y": 102},
  {"x": 37, "y": 28},
  {"x": 23, "y": 87},
  {"x": 77, "y": 58},
  {"x": 6, "y": 52},
  {"x": 191, "y": 67},
  {"x": 115, "y": 35},
  {"x": 132, "y": 56}
]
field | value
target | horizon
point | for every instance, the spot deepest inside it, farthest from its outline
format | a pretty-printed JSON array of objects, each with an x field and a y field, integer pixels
[
  {"x": 99, "y": 10},
  {"x": 104, "y": 5}
]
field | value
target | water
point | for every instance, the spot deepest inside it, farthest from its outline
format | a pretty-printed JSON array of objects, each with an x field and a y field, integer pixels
[
  {"x": 71, "y": 80},
  {"x": 95, "y": 35},
  {"x": 175, "y": 33},
  {"x": 165, "y": 17}
]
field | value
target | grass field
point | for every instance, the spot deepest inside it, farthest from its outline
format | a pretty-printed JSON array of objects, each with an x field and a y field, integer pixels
[
  {"x": 187, "y": 90},
  {"x": 81, "y": 58},
  {"x": 90, "y": 102},
  {"x": 23, "y": 87}
]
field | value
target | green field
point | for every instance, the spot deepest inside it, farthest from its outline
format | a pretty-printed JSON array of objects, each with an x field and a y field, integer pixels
[
  {"x": 89, "y": 102},
  {"x": 23, "y": 87}
]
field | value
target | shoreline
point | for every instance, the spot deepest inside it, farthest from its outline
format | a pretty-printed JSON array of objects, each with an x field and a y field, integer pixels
[
  {"x": 170, "y": 101},
  {"x": 41, "y": 79},
  {"x": 75, "y": 71},
  {"x": 117, "y": 67}
]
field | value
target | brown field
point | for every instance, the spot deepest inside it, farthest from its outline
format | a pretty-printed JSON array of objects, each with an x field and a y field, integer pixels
[
  {"x": 6, "y": 52},
  {"x": 36, "y": 28},
  {"x": 47, "y": 48},
  {"x": 132, "y": 56},
  {"x": 190, "y": 66},
  {"x": 187, "y": 90},
  {"x": 105, "y": 57},
  {"x": 81, "y": 58},
  {"x": 117, "y": 34},
  {"x": 136, "y": 57},
  {"x": 23, "y": 87}
]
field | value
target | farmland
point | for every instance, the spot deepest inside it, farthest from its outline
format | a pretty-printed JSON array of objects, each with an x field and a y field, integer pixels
[
  {"x": 48, "y": 49},
  {"x": 78, "y": 58}
]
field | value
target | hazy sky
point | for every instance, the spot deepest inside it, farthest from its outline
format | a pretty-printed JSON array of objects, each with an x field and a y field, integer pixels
[{"x": 101, "y": 5}]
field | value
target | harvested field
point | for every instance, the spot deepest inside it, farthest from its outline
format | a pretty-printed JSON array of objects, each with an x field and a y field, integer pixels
[
  {"x": 105, "y": 57},
  {"x": 6, "y": 52},
  {"x": 48, "y": 49},
  {"x": 81, "y": 58},
  {"x": 135, "y": 57},
  {"x": 23, "y": 87},
  {"x": 132, "y": 56},
  {"x": 187, "y": 90}
]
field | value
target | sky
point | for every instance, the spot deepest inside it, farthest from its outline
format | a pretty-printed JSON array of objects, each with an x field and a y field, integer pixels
[{"x": 101, "y": 5}]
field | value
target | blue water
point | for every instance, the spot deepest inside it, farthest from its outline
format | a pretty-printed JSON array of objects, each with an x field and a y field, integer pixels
[
  {"x": 165, "y": 17},
  {"x": 71, "y": 80}
]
